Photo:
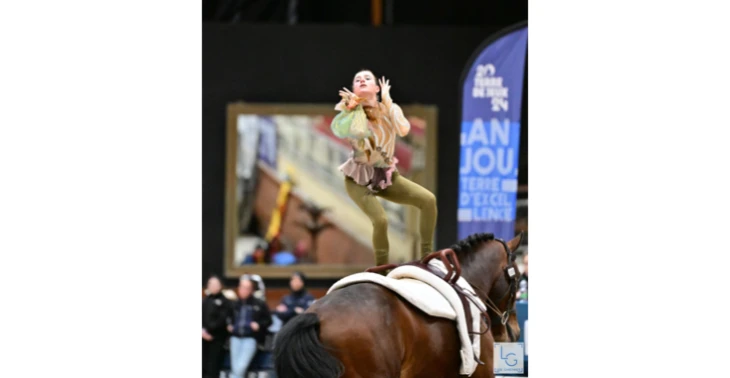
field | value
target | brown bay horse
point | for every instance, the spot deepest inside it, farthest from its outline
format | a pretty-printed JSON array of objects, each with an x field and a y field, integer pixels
[{"x": 366, "y": 330}]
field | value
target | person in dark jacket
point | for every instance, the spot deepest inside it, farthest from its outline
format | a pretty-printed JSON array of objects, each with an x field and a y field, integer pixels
[
  {"x": 251, "y": 319},
  {"x": 216, "y": 315},
  {"x": 298, "y": 301}
]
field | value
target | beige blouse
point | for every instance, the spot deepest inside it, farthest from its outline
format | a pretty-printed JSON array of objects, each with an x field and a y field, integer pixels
[{"x": 385, "y": 122}]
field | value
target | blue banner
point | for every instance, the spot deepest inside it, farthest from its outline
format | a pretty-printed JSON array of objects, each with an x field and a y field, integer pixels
[{"x": 490, "y": 137}]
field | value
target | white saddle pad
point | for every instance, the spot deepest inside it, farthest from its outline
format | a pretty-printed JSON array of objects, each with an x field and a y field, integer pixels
[{"x": 433, "y": 296}]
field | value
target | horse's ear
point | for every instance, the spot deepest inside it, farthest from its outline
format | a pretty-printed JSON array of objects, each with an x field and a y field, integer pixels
[{"x": 515, "y": 243}]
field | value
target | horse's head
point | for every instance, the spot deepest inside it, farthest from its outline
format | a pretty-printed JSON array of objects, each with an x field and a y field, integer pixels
[{"x": 488, "y": 264}]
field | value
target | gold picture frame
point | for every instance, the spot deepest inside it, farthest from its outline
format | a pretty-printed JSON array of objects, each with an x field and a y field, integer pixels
[{"x": 426, "y": 177}]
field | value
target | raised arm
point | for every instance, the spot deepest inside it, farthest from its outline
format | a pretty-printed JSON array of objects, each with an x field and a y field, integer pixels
[
  {"x": 349, "y": 100},
  {"x": 395, "y": 113}
]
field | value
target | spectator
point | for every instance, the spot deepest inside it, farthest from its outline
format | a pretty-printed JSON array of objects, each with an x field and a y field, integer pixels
[
  {"x": 251, "y": 320},
  {"x": 522, "y": 294},
  {"x": 298, "y": 301},
  {"x": 216, "y": 314},
  {"x": 524, "y": 268},
  {"x": 260, "y": 291}
]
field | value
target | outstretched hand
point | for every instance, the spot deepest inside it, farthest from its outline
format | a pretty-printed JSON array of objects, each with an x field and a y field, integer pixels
[
  {"x": 346, "y": 94},
  {"x": 351, "y": 99},
  {"x": 384, "y": 88}
]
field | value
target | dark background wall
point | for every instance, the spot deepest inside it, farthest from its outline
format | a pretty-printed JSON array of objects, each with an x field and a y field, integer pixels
[
  {"x": 359, "y": 12},
  {"x": 309, "y": 64}
]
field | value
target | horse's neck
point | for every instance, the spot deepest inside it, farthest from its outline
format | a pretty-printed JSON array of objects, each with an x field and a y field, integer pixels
[
  {"x": 484, "y": 284},
  {"x": 482, "y": 272}
]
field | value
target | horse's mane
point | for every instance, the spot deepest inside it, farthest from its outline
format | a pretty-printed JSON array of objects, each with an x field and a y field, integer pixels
[
  {"x": 467, "y": 246},
  {"x": 466, "y": 253}
]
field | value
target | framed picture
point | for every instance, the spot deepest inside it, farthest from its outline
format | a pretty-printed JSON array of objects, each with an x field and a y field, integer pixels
[{"x": 286, "y": 208}]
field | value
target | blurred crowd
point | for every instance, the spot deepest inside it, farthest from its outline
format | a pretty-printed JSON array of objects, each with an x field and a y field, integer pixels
[
  {"x": 522, "y": 291},
  {"x": 239, "y": 328}
]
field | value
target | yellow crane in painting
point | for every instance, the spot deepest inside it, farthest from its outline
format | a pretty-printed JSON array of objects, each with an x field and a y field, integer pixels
[{"x": 279, "y": 212}]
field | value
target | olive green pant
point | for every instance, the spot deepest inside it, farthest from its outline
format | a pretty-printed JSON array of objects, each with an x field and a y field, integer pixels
[{"x": 402, "y": 191}]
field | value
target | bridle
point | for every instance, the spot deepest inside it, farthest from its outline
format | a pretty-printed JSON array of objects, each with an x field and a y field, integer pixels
[{"x": 510, "y": 275}]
